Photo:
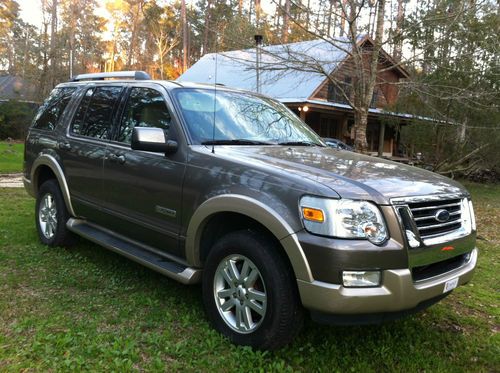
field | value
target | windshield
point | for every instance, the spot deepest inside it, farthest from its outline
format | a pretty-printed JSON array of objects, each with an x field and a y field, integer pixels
[{"x": 240, "y": 119}]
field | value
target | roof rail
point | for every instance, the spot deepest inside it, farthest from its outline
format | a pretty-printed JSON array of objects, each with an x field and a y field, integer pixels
[{"x": 136, "y": 75}]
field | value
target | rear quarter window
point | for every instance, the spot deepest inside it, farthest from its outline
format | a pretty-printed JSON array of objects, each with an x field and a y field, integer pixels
[{"x": 50, "y": 112}]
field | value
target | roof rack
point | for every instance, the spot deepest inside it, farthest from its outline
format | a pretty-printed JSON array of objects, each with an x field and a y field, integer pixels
[{"x": 136, "y": 75}]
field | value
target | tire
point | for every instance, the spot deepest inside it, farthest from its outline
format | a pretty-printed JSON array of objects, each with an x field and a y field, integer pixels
[
  {"x": 250, "y": 293},
  {"x": 51, "y": 216}
]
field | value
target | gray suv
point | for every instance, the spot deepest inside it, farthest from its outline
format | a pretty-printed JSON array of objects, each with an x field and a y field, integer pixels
[{"x": 229, "y": 188}]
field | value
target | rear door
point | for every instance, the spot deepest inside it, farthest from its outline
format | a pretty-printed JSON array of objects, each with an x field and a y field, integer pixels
[
  {"x": 43, "y": 134},
  {"x": 143, "y": 190},
  {"x": 84, "y": 148}
]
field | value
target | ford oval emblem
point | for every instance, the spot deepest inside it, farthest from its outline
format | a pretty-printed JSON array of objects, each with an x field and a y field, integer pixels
[{"x": 442, "y": 216}]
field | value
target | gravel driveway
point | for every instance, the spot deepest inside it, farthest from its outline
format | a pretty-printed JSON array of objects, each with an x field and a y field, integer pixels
[{"x": 11, "y": 180}]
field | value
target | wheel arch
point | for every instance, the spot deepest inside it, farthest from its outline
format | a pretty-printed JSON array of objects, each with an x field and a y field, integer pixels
[
  {"x": 242, "y": 209},
  {"x": 46, "y": 167}
]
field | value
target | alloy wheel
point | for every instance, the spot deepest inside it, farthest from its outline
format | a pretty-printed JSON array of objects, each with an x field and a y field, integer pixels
[
  {"x": 47, "y": 216},
  {"x": 240, "y": 293}
]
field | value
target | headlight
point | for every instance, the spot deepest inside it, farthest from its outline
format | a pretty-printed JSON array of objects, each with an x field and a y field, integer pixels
[
  {"x": 468, "y": 217},
  {"x": 343, "y": 218},
  {"x": 472, "y": 216}
]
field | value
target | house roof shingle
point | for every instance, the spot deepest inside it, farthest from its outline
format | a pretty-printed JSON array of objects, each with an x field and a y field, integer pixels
[
  {"x": 15, "y": 88},
  {"x": 290, "y": 81}
]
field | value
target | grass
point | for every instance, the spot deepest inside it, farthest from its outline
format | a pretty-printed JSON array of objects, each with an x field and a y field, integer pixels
[
  {"x": 88, "y": 309},
  {"x": 11, "y": 157}
]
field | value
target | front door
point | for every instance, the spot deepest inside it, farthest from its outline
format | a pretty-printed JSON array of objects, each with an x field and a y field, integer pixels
[{"x": 143, "y": 190}]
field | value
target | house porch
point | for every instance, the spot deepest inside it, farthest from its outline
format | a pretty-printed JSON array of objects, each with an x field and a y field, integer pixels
[{"x": 339, "y": 123}]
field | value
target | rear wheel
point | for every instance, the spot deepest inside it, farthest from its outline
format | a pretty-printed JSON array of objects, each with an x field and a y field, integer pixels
[
  {"x": 51, "y": 216},
  {"x": 249, "y": 291}
]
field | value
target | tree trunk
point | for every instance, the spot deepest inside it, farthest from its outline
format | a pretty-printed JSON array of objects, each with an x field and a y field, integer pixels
[
  {"x": 53, "y": 32},
  {"x": 366, "y": 80},
  {"x": 72, "y": 27},
  {"x": 257, "y": 14},
  {"x": 42, "y": 89},
  {"x": 360, "y": 124},
  {"x": 133, "y": 37},
  {"x": 371, "y": 17},
  {"x": 428, "y": 44},
  {"x": 308, "y": 18},
  {"x": 329, "y": 25},
  {"x": 26, "y": 50},
  {"x": 10, "y": 56},
  {"x": 463, "y": 131},
  {"x": 160, "y": 54},
  {"x": 206, "y": 29},
  {"x": 343, "y": 18},
  {"x": 184, "y": 36},
  {"x": 398, "y": 45},
  {"x": 286, "y": 21}
]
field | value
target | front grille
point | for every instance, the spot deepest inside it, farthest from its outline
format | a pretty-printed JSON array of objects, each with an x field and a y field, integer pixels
[
  {"x": 424, "y": 215},
  {"x": 436, "y": 269}
]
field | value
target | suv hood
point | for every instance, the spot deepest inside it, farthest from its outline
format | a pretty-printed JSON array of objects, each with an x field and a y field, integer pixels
[{"x": 349, "y": 174}]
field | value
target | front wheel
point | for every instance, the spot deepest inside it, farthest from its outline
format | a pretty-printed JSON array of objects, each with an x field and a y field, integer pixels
[
  {"x": 51, "y": 216},
  {"x": 249, "y": 291}
]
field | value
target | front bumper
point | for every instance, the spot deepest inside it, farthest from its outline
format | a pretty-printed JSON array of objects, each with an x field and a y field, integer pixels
[{"x": 398, "y": 292}]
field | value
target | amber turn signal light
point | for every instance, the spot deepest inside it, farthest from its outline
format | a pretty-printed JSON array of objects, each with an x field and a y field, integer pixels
[{"x": 313, "y": 214}]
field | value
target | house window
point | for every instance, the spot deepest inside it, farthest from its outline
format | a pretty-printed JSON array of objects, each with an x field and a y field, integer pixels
[{"x": 338, "y": 91}]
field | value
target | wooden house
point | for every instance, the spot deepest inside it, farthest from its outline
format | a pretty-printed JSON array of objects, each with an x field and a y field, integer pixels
[{"x": 297, "y": 75}]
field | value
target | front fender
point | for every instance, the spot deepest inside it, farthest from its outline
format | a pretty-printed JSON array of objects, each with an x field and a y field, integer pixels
[{"x": 256, "y": 210}]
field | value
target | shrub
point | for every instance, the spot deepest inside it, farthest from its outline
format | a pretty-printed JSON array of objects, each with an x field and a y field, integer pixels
[{"x": 15, "y": 118}]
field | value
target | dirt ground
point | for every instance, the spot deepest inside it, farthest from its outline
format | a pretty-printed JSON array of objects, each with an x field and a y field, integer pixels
[{"x": 11, "y": 180}]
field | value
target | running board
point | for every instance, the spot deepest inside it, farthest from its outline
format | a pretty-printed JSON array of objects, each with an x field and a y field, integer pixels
[{"x": 133, "y": 251}]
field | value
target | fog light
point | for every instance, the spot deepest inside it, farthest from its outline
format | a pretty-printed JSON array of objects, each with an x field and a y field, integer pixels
[
  {"x": 361, "y": 278},
  {"x": 467, "y": 257}
]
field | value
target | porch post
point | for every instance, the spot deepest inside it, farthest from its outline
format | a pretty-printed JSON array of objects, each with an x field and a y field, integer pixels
[
  {"x": 345, "y": 132},
  {"x": 381, "y": 137}
]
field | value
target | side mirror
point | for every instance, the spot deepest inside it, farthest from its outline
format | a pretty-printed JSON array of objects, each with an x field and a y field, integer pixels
[{"x": 152, "y": 140}]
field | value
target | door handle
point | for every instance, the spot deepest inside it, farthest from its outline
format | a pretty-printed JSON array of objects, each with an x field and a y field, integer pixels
[
  {"x": 64, "y": 145},
  {"x": 117, "y": 158}
]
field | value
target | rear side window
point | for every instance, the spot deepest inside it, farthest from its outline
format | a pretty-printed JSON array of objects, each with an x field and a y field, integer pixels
[
  {"x": 94, "y": 114},
  {"x": 49, "y": 113},
  {"x": 145, "y": 108}
]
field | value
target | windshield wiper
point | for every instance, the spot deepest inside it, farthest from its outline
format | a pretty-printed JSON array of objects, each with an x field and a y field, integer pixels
[
  {"x": 299, "y": 143},
  {"x": 236, "y": 142}
]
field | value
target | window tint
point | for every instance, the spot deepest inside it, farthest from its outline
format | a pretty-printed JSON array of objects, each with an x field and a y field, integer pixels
[
  {"x": 52, "y": 109},
  {"x": 145, "y": 108},
  {"x": 93, "y": 116}
]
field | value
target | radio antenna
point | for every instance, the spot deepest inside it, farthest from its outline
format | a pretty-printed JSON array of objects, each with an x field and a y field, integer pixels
[{"x": 215, "y": 92}]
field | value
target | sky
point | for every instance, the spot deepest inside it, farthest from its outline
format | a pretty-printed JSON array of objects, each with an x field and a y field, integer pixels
[{"x": 31, "y": 11}]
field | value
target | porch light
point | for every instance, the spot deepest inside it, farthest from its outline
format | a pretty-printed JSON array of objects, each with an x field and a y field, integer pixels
[{"x": 305, "y": 108}]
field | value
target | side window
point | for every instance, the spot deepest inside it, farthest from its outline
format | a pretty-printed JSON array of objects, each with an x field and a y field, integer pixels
[
  {"x": 49, "y": 113},
  {"x": 145, "y": 108},
  {"x": 94, "y": 114}
]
